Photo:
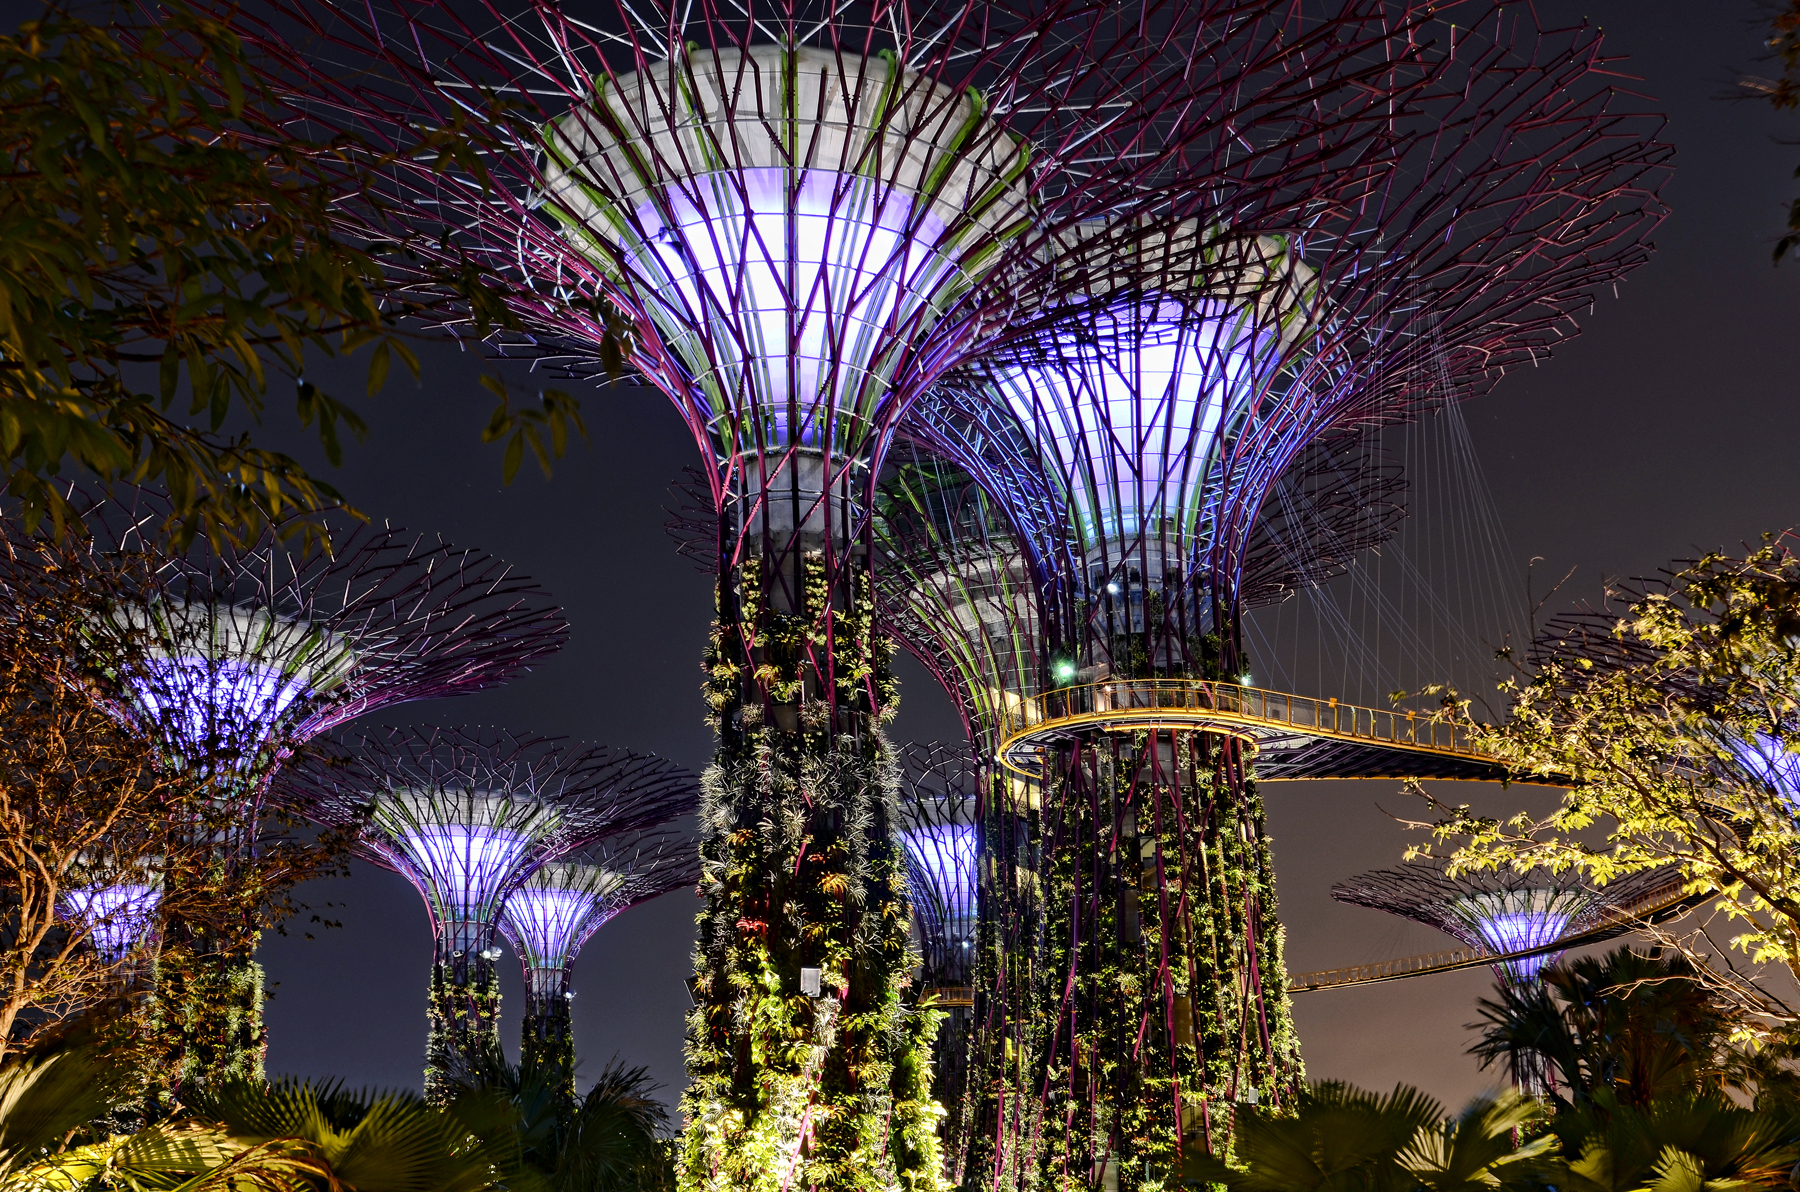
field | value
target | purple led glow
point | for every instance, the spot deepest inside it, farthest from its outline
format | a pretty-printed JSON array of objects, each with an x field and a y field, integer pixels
[
  {"x": 467, "y": 865},
  {"x": 941, "y": 862},
  {"x": 118, "y": 918},
  {"x": 1517, "y": 932},
  {"x": 1514, "y": 920},
  {"x": 1137, "y": 420},
  {"x": 1771, "y": 763},
  {"x": 808, "y": 287},
  {"x": 216, "y": 680},
  {"x": 945, "y": 856},
  {"x": 205, "y": 704}
]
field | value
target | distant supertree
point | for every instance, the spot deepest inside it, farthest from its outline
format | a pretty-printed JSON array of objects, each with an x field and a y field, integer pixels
[
  {"x": 940, "y": 829},
  {"x": 119, "y": 914},
  {"x": 1504, "y": 911},
  {"x": 229, "y": 657},
  {"x": 1512, "y": 188},
  {"x": 552, "y": 913},
  {"x": 466, "y": 816}
]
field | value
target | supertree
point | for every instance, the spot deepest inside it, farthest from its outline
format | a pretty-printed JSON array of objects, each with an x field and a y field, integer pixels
[
  {"x": 552, "y": 913},
  {"x": 1515, "y": 186},
  {"x": 956, "y": 589},
  {"x": 939, "y": 830},
  {"x": 466, "y": 816},
  {"x": 119, "y": 914},
  {"x": 1520, "y": 917},
  {"x": 226, "y": 657},
  {"x": 803, "y": 215}
]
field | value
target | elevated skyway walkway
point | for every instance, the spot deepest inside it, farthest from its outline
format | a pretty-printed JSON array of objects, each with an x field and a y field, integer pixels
[{"x": 1294, "y": 736}]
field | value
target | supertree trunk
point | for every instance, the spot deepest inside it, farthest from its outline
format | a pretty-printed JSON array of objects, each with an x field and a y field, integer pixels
[
  {"x": 547, "y": 1036},
  {"x": 1169, "y": 1007},
  {"x": 462, "y": 1016},
  {"x": 807, "y": 1069}
]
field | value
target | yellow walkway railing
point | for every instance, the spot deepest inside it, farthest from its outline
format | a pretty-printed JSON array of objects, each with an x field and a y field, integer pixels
[{"x": 1122, "y": 705}]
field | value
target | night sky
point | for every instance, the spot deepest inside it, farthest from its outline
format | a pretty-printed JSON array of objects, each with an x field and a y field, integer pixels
[{"x": 1666, "y": 428}]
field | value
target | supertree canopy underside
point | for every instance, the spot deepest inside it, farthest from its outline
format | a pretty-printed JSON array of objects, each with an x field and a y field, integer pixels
[
  {"x": 951, "y": 867},
  {"x": 1503, "y": 911},
  {"x": 550, "y": 915},
  {"x": 227, "y": 657},
  {"x": 467, "y": 816}
]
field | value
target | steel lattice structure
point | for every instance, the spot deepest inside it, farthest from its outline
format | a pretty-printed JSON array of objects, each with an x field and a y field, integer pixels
[
  {"x": 551, "y": 914},
  {"x": 226, "y": 658},
  {"x": 1504, "y": 912},
  {"x": 1136, "y": 449},
  {"x": 1284, "y": 221},
  {"x": 951, "y": 874},
  {"x": 467, "y": 816}
]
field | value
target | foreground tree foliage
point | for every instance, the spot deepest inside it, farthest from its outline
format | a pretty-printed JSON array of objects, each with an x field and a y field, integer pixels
[
  {"x": 80, "y": 804},
  {"x": 512, "y": 1129},
  {"x": 167, "y": 253},
  {"x": 1648, "y": 1094},
  {"x": 84, "y": 806},
  {"x": 1337, "y": 1137},
  {"x": 138, "y": 227},
  {"x": 1676, "y": 728}
]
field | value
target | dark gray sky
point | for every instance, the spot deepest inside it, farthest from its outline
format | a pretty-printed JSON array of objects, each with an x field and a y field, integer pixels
[{"x": 1668, "y": 427}]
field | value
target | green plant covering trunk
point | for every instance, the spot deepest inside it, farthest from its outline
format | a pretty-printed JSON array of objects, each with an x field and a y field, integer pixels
[
  {"x": 802, "y": 870},
  {"x": 463, "y": 1016},
  {"x": 1004, "y": 1087},
  {"x": 206, "y": 1013},
  {"x": 547, "y": 1037},
  {"x": 1170, "y": 1005}
]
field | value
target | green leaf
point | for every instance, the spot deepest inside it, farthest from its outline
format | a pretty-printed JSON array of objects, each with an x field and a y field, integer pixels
[
  {"x": 378, "y": 368},
  {"x": 515, "y": 455}
]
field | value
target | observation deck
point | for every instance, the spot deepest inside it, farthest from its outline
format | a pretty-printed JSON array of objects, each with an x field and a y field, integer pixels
[
  {"x": 1657, "y": 905},
  {"x": 1293, "y": 736}
]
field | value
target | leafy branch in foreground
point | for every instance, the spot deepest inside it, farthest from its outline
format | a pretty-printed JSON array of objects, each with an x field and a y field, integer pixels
[
  {"x": 142, "y": 238},
  {"x": 171, "y": 245},
  {"x": 1676, "y": 728}
]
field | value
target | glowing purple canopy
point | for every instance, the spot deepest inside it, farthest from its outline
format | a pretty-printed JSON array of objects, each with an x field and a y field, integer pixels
[
  {"x": 463, "y": 851},
  {"x": 1769, "y": 760},
  {"x": 219, "y": 682},
  {"x": 560, "y": 906},
  {"x": 940, "y": 866},
  {"x": 118, "y": 918},
  {"x": 553, "y": 914},
  {"x": 467, "y": 815},
  {"x": 1539, "y": 918},
  {"x": 808, "y": 313}
]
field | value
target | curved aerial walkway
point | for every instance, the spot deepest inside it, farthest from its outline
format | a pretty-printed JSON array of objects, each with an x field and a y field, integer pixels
[
  {"x": 1656, "y": 905},
  {"x": 1294, "y": 736},
  {"x": 1299, "y": 737}
]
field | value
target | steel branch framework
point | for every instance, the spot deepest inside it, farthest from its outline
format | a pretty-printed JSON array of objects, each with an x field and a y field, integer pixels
[
  {"x": 551, "y": 914},
  {"x": 1137, "y": 447},
  {"x": 467, "y": 816},
  {"x": 1503, "y": 911}
]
